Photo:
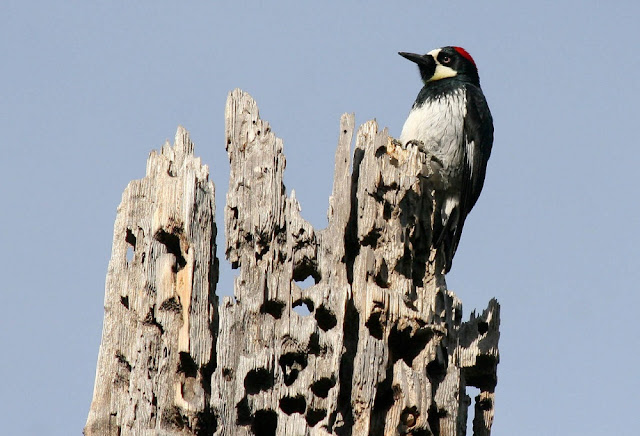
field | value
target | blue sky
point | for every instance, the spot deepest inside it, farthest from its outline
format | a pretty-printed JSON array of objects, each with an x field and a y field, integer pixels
[{"x": 90, "y": 88}]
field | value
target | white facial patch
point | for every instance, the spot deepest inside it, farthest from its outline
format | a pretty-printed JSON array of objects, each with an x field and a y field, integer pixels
[{"x": 442, "y": 71}]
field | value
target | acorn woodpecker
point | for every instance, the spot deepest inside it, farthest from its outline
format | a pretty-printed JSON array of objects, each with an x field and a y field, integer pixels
[{"x": 450, "y": 120}]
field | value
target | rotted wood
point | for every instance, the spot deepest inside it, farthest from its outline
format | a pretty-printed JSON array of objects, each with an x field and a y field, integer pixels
[
  {"x": 158, "y": 340},
  {"x": 383, "y": 350}
]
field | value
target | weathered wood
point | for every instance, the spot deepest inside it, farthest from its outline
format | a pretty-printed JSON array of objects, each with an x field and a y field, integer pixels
[
  {"x": 157, "y": 350},
  {"x": 383, "y": 351}
]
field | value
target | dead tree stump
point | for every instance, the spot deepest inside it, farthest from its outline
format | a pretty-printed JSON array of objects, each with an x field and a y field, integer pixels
[{"x": 383, "y": 351}]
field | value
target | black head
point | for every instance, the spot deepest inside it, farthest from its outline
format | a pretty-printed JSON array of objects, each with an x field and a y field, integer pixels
[{"x": 445, "y": 63}]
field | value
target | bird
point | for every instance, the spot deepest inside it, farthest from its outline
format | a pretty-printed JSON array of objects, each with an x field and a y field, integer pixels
[{"x": 450, "y": 120}]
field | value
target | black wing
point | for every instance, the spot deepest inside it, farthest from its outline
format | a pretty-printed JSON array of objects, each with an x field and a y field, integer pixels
[{"x": 477, "y": 141}]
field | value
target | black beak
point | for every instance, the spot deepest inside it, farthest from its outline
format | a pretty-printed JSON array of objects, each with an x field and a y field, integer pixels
[
  {"x": 418, "y": 59},
  {"x": 426, "y": 64}
]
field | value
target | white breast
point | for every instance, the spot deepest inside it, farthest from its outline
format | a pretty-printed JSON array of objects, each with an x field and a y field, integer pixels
[{"x": 439, "y": 124}]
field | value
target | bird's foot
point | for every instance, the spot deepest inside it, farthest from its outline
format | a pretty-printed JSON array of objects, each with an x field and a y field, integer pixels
[{"x": 415, "y": 143}]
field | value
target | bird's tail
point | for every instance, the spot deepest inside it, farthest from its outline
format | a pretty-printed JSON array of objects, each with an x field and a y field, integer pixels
[{"x": 447, "y": 230}]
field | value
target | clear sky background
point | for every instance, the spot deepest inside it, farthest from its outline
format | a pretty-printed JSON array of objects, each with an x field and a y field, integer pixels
[{"x": 88, "y": 89}]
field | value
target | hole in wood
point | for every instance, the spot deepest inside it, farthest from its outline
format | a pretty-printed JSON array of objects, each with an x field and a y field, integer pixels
[
  {"x": 321, "y": 387},
  {"x": 381, "y": 151},
  {"x": 386, "y": 395},
  {"x": 409, "y": 416},
  {"x": 303, "y": 307},
  {"x": 407, "y": 342},
  {"x": 382, "y": 276},
  {"x": 292, "y": 364},
  {"x": 314, "y": 416},
  {"x": 273, "y": 308},
  {"x": 172, "y": 243},
  {"x": 265, "y": 423},
  {"x": 436, "y": 371},
  {"x": 305, "y": 283},
  {"x": 172, "y": 418},
  {"x": 295, "y": 404},
  {"x": 150, "y": 320},
  {"x": 305, "y": 273},
  {"x": 124, "y": 301},
  {"x": 484, "y": 403},
  {"x": 227, "y": 373},
  {"x": 433, "y": 418},
  {"x": 171, "y": 305},
  {"x": 325, "y": 318},
  {"x": 243, "y": 412},
  {"x": 374, "y": 324},
  {"x": 131, "y": 240},
  {"x": 483, "y": 374},
  {"x": 314, "y": 344},
  {"x": 256, "y": 380},
  {"x": 483, "y": 327},
  {"x": 206, "y": 424},
  {"x": 122, "y": 360},
  {"x": 440, "y": 303},
  {"x": 371, "y": 238},
  {"x": 187, "y": 365},
  {"x": 473, "y": 393}
]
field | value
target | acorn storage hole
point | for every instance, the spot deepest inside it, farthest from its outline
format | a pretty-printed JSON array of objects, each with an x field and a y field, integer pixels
[{"x": 303, "y": 307}]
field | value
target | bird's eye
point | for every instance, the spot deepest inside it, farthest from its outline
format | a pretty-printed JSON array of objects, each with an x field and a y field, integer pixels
[{"x": 446, "y": 59}]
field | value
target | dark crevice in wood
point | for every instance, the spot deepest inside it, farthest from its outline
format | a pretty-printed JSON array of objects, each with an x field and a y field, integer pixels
[
  {"x": 375, "y": 324},
  {"x": 351, "y": 244},
  {"x": 409, "y": 417},
  {"x": 122, "y": 360},
  {"x": 314, "y": 416},
  {"x": 436, "y": 371},
  {"x": 256, "y": 380},
  {"x": 273, "y": 308},
  {"x": 314, "y": 344},
  {"x": 304, "y": 302},
  {"x": 351, "y": 338},
  {"x": 186, "y": 365},
  {"x": 265, "y": 423},
  {"x": 292, "y": 364},
  {"x": 482, "y": 374},
  {"x": 483, "y": 327},
  {"x": 130, "y": 238},
  {"x": 306, "y": 268},
  {"x": 172, "y": 242},
  {"x": 296, "y": 404},
  {"x": 243, "y": 412},
  {"x": 407, "y": 342},
  {"x": 150, "y": 320},
  {"x": 172, "y": 418},
  {"x": 171, "y": 305},
  {"x": 321, "y": 387},
  {"x": 326, "y": 318},
  {"x": 434, "y": 415},
  {"x": 386, "y": 395},
  {"x": 206, "y": 423}
]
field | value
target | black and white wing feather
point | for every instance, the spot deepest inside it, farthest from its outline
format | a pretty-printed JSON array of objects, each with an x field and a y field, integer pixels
[{"x": 477, "y": 142}]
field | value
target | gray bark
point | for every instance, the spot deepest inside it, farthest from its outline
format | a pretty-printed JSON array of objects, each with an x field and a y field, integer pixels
[{"x": 383, "y": 350}]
